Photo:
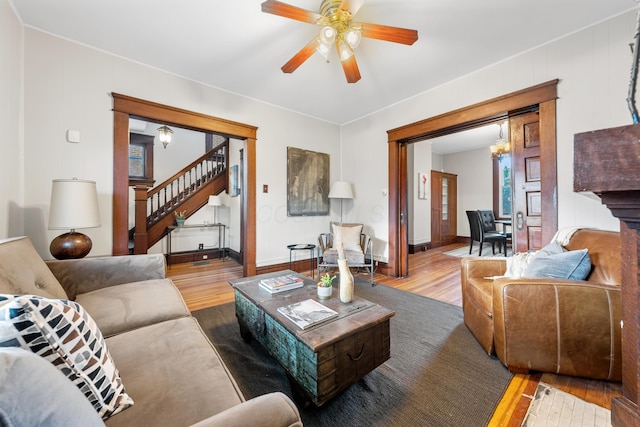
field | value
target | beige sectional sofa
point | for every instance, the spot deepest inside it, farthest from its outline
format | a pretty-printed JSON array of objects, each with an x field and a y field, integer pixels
[{"x": 166, "y": 365}]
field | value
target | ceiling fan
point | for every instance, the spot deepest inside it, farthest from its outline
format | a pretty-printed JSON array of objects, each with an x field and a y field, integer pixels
[{"x": 335, "y": 20}]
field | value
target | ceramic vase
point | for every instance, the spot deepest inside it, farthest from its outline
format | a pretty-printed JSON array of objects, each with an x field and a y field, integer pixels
[
  {"x": 346, "y": 281},
  {"x": 324, "y": 292},
  {"x": 180, "y": 222}
]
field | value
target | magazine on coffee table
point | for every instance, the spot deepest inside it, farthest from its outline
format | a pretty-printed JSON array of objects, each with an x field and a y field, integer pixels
[
  {"x": 307, "y": 313},
  {"x": 281, "y": 283}
]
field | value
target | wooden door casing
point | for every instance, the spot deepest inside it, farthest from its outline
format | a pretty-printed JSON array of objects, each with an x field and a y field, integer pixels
[
  {"x": 491, "y": 111},
  {"x": 527, "y": 180},
  {"x": 436, "y": 209}
]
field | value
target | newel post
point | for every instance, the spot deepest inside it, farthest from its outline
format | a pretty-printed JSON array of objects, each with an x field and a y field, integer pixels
[
  {"x": 140, "y": 238},
  {"x": 607, "y": 163}
]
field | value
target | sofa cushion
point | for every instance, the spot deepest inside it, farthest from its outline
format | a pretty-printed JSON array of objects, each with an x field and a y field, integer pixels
[
  {"x": 347, "y": 235},
  {"x": 121, "y": 308},
  {"x": 22, "y": 271},
  {"x": 34, "y": 393},
  {"x": 174, "y": 374},
  {"x": 330, "y": 256},
  {"x": 63, "y": 333},
  {"x": 574, "y": 265}
]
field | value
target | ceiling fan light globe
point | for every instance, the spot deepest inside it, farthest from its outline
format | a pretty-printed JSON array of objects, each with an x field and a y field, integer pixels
[
  {"x": 345, "y": 51},
  {"x": 353, "y": 36},
  {"x": 327, "y": 35},
  {"x": 323, "y": 50}
]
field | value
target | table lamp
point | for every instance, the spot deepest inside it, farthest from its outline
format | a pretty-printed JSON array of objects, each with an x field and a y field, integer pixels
[
  {"x": 215, "y": 201},
  {"x": 341, "y": 190},
  {"x": 74, "y": 204}
]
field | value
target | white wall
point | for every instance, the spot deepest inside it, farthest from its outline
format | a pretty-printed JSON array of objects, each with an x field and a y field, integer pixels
[
  {"x": 419, "y": 221},
  {"x": 593, "y": 67},
  {"x": 68, "y": 86},
  {"x": 11, "y": 143},
  {"x": 475, "y": 183}
]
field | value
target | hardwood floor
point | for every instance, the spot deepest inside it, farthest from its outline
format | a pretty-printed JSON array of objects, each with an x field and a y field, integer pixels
[{"x": 431, "y": 274}]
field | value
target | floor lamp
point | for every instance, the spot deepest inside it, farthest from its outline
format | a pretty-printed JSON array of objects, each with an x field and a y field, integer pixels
[
  {"x": 74, "y": 204},
  {"x": 341, "y": 190}
]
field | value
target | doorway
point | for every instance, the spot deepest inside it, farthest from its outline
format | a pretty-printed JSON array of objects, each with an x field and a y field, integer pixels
[
  {"x": 125, "y": 107},
  {"x": 541, "y": 97}
]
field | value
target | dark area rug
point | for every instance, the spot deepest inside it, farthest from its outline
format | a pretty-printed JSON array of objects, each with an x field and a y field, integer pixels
[{"x": 438, "y": 375}]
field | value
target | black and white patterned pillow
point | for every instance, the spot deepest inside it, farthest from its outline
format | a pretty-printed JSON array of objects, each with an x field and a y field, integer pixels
[{"x": 63, "y": 333}]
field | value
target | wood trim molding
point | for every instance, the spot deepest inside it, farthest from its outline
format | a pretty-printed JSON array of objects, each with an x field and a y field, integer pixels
[
  {"x": 126, "y": 106},
  {"x": 461, "y": 119},
  {"x": 475, "y": 115},
  {"x": 179, "y": 117}
]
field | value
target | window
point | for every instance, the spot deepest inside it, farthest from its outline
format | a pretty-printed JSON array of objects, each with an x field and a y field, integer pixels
[
  {"x": 140, "y": 159},
  {"x": 502, "y": 187}
]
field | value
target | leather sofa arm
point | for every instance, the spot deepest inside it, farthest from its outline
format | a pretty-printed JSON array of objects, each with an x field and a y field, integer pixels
[
  {"x": 268, "y": 410},
  {"x": 562, "y": 326},
  {"x": 483, "y": 267},
  {"x": 478, "y": 268},
  {"x": 84, "y": 275}
]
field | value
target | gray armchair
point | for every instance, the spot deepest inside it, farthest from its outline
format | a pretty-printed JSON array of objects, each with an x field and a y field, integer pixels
[{"x": 358, "y": 248}]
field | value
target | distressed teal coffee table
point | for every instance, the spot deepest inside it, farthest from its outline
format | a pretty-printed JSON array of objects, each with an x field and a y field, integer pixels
[{"x": 323, "y": 360}]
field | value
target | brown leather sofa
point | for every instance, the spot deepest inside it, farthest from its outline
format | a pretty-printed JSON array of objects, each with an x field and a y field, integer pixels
[{"x": 560, "y": 326}]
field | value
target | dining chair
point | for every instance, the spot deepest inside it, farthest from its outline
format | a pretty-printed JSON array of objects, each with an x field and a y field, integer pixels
[
  {"x": 489, "y": 224},
  {"x": 479, "y": 235}
]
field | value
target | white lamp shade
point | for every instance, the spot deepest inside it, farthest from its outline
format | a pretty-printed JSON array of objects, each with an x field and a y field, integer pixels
[
  {"x": 215, "y": 201},
  {"x": 341, "y": 190},
  {"x": 74, "y": 204}
]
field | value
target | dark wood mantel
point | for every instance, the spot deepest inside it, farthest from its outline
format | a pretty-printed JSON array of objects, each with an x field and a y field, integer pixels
[{"x": 607, "y": 163}]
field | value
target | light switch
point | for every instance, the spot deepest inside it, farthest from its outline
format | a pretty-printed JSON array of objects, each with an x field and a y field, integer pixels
[
  {"x": 73, "y": 135},
  {"x": 265, "y": 188}
]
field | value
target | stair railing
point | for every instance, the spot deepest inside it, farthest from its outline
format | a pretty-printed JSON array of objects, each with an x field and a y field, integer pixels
[
  {"x": 154, "y": 205},
  {"x": 167, "y": 197}
]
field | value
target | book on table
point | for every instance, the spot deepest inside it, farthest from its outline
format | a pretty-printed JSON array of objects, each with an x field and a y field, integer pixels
[
  {"x": 281, "y": 283},
  {"x": 307, "y": 313}
]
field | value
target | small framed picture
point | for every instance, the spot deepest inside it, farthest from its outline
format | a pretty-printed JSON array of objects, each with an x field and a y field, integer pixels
[{"x": 422, "y": 185}]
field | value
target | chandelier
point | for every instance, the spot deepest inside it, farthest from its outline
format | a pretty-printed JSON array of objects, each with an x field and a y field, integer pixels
[{"x": 502, "y": 147}]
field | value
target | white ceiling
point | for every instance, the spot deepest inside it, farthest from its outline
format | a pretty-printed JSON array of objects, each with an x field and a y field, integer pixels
[
  {"x": 472, "y": 139},
  {"x": 234, "y": 46}
]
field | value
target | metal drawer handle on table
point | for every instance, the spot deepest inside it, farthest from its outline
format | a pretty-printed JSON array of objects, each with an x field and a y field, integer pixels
[{"x": 359, "y": 356}]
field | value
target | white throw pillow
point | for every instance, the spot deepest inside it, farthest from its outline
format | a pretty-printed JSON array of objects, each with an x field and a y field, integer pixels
[
  {"x": 348, "y": 236},
  {"x": 518, "y": 263}
]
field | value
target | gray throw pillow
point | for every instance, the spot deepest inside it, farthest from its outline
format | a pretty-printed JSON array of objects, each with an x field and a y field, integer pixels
[
  {"x": 33, "y": 392},
  {"x": 574, "y": 265}
]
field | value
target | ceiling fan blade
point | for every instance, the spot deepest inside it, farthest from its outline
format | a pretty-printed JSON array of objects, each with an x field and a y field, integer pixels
[
  {"x": 351, "y": 71},
  {"x": 299, "y": 58},
  {"x": 352, "y": 6},
  {"x": 282, "y": 9},
  {"x": 386, "y": 33}
]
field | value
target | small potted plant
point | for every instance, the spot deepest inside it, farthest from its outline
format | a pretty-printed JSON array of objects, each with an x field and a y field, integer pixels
[
  {"x": 325, "y": 286},
  {"x": 180, "y": 217}
]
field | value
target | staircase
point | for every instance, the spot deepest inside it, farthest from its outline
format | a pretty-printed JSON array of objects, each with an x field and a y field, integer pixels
[{"x": 187, "y": 190}]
